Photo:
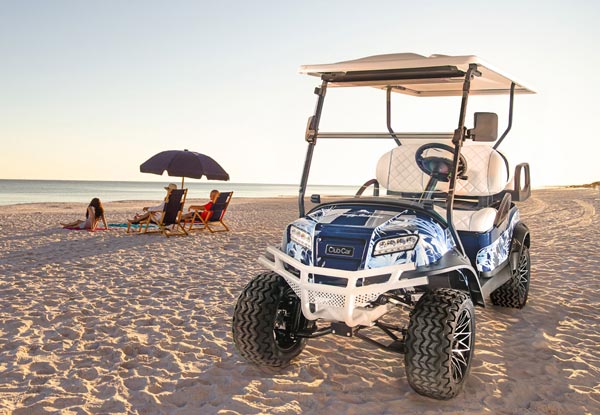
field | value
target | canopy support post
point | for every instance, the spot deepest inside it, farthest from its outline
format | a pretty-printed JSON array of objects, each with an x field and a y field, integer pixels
[
  {"x": 312, "y": 130},
  {"x": 510, "y": 115},
  {"x": 457, "y": 140},
  {"x": 388, "y": 107}
]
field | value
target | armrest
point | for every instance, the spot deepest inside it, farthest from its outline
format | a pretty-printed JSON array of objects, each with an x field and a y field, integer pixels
[
  {"x": 196, "y": 207},
  {"x": 520, "y": 193}
]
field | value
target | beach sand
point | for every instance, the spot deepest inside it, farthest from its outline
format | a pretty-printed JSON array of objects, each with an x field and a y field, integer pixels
[{"x": 111, "y": 323}]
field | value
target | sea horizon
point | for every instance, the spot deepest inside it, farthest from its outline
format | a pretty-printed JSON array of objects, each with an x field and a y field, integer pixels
[{"x": 19, "y": 191}]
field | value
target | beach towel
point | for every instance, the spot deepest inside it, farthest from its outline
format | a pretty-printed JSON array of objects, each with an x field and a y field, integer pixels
[
  {"x": 89, "y": 230},
  {"x": 133, "y": 225},
  {"x": 112, "y": 226}
]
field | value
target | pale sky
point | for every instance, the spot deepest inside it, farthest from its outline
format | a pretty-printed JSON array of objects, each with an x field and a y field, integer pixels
[{"x": 90, "y": 90}]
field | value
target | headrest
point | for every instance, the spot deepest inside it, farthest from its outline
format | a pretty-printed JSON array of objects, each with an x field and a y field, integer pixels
[{"x": 397, "y": 171}]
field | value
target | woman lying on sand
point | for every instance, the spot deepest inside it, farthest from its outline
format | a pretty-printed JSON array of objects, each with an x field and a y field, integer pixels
[{"x": 94, "y": 213}]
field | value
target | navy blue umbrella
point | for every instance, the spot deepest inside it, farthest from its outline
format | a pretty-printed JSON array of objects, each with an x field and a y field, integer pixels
[{"x": 184, "y": 163}]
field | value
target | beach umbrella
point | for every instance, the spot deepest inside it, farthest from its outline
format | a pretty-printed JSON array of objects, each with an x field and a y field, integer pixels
[{"x": 184, "y": 163}]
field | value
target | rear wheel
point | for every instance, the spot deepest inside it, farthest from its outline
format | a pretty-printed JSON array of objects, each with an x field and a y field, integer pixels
[
  {"x": 266, "y": 319},
  {"x": 513, "y": 293},
  {"x": 440, "y": 343}
]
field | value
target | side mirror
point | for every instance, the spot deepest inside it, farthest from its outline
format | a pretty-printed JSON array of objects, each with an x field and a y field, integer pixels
[
  {"x": 315, "y": 198},
  {"x": 486, "y": 127}
]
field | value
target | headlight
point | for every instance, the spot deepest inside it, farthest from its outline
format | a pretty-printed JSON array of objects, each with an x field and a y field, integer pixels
[
  {"x": 300, "y": 237},
  {"x": 399, "y": 244}
]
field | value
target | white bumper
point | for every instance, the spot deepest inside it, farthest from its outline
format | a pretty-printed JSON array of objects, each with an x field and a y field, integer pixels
[{"x": 350, "y": 304}]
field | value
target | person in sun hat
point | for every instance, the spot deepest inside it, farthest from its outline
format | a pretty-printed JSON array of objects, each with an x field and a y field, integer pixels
[{"x": 153, "y": 210}]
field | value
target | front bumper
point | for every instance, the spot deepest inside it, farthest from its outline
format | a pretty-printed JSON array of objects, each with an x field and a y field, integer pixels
[{"x": 350, "y": 302}]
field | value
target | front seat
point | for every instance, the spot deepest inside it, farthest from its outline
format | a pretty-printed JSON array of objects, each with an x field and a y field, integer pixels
[{"x": 487, "y": 175}]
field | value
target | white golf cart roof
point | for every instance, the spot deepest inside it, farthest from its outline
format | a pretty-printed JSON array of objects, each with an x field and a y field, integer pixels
[{"x": 412, "y": 74}]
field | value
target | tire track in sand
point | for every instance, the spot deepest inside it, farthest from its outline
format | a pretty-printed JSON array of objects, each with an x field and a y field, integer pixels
[
  {"x": 586, "y": 218},
  {"x": 538, "y": 207}
]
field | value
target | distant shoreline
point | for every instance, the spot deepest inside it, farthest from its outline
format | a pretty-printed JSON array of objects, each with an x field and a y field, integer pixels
[{"x": 593, "y": 185}]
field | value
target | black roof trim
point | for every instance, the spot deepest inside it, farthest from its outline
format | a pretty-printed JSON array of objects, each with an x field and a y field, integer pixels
[{"x": 434, "y": 72}]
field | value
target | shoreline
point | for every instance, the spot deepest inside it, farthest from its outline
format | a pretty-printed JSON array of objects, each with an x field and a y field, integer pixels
[
  {"x": 194, "y": 200},
  {"x": 35, "y": 191},
  {"x": 78, "y": 191}
]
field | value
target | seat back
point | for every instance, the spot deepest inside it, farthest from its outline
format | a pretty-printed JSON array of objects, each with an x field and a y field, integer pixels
[
  {"x": 487, "y": 174},
  {"x": 219, "y": 207},
  {"x": 173, "y": 206}
]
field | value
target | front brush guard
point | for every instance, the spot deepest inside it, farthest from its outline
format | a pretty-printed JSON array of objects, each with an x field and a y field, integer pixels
[{"x": 352, "y": 304}]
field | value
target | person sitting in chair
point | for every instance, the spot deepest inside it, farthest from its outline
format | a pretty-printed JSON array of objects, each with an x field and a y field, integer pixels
[
  {"x": 203, "y": 209},
  {"x": 155, "y": 211},
  {"x": 93, "y": 215}
]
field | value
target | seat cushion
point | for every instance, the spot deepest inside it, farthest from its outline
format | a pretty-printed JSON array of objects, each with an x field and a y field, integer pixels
[{"x": 480, "y": 221}]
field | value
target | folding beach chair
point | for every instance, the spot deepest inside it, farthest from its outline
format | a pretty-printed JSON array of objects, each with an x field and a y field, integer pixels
[
  {"x": 214, "y": 217},
  {"x": 169, "y": 222}
]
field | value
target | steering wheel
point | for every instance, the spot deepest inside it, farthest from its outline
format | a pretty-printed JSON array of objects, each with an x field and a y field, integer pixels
[{"x": 439, "y": 168}]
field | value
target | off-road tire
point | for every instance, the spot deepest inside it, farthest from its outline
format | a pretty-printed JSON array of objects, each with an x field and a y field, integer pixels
[
  {"x": 440, "y": 343},
  {"x": 513, "y": 293},
  {"x": 263, "y": 318}
]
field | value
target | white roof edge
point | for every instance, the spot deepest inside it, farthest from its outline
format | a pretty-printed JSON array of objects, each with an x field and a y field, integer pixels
[
  {"x": 390, "y": 61},
  {"x": 411, "y": 60}
]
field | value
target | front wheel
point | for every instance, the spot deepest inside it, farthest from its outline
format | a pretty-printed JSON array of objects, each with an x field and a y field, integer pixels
[
  {"x": 440, "y": 343},
  {"x": 266, "y": 319}
]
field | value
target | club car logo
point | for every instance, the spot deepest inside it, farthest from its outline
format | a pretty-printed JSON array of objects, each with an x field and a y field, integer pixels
[{"x": 339, "y": 250}]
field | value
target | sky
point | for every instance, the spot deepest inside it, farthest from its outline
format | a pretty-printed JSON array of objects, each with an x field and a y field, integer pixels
[{"x": 90, "y": 90}]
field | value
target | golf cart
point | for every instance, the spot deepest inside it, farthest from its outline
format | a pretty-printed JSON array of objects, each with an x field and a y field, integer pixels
[{"x": 445, "y": 236}]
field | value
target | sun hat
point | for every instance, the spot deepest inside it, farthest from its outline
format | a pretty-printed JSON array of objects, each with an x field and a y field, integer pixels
[{"x": 171, "y": 186}]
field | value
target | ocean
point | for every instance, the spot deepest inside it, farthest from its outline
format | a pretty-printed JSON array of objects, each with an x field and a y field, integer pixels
[{"x": 39, "y": 191}]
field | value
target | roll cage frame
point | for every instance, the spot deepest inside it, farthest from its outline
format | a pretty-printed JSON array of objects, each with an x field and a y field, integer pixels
[{"x": 457, "y": 137}]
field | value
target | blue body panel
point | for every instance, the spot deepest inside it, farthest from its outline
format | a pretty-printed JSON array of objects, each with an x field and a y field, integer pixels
[
  {"x": 488, "y": 250},
  {"x": 474, "y": 241},
  {"x": 496, "y": 253},
  {"x": 344, "y": 236},
  {"x": 341, "y": 236}
]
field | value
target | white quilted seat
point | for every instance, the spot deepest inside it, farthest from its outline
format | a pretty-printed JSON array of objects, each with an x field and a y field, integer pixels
[{"x": 397, "y": 171}]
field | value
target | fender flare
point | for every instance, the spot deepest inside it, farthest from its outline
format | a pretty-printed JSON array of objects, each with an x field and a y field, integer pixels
[
  {"x": 455, "y": 271},
  {"x": 520, "y": 239}
]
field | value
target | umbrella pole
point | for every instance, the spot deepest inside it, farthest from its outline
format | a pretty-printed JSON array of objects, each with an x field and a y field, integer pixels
[{"x": 182, "y": 179}]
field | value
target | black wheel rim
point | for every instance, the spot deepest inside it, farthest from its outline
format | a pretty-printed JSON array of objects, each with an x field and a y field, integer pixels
[
  {"x": 286, "y": 325},
  {"x": 522, "y": 276},
  {"x": 462, "y": 346}
]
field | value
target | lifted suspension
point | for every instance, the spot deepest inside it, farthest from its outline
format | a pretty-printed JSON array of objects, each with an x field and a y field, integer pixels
[{"x": 397, "y": 345}]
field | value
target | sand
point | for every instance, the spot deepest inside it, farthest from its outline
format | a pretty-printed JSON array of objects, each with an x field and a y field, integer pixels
[{"x": 110, "y": 323}]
